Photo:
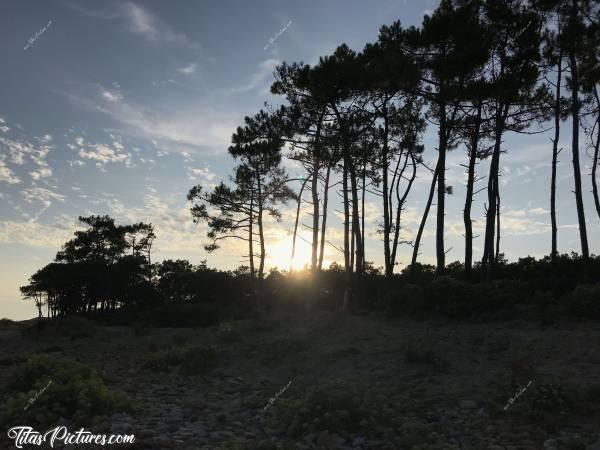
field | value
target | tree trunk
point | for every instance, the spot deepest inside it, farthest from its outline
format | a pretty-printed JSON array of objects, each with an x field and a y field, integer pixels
[
  {"x": 441, "y": 193},
  {"x": 356, "y": 221},
  {"x": 296, "y": 224},
  {"x": 575, "y": 107},
  {"x": 385, "y": 195},
  {"x": 315, "y": 226},
  {"x": 251, "y": 236},
  {"x": 324, "y": 221},
  {"x": 347, "y": 266},
  {"x": 401, "y": 202},
  {"x": 362, "y": 212},
  {"x": 315, "y": 196},
  {"x": 554, "y": 250},
  {"x": 469, "y": 196},
  {"x": 261, "y": 235},
  {"x": 497, "y": 253},
  {"x": 490, "y": 223},
  {"x": 596, "y": 155},
  {"x": 424, "y": 218}
]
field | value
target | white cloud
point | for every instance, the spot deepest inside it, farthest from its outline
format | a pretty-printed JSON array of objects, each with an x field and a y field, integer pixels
[
  {"x": 19, "y": 151},
  {"x": 188, "y": 70},
  {"x": 7, "y": 175},
  {"x": 104, "y": 154},
  {"x": 42, "y": 195},
  {"x": 42, "y": 172},
  {"x": 34, "y": 234},
  {"x": 112, "y": 96}
]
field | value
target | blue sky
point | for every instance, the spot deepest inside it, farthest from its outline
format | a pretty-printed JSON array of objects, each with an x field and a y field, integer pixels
[{"x": 120, "y": 107}]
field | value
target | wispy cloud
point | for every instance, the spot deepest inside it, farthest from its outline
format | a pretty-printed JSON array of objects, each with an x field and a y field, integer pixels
[
  {"x": 138, "y": 21},
  {"x": 21, "y": 150},
  {"x": 257, "y": 79},
  {"x": 7, "y": 175},
  {"x": 193, "y": 125},
  {"x": 42, "y": 195}
]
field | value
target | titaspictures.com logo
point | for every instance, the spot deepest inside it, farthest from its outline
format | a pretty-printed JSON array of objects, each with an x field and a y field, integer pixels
[{"x": 24, "y": 435}]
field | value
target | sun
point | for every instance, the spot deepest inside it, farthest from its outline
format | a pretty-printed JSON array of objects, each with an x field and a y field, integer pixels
[{"x": 280, "y": 254}]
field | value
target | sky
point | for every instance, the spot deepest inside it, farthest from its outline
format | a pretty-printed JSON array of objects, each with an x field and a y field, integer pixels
[{"x": 120, "y": 107}]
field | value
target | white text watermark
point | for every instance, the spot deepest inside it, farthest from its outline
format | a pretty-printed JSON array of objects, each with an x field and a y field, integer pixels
[
  {"x": 36, "y": 36},
  {"x": 512, "y": 400},
  {"x": 24, "y": 435},
  {"x": 279, "y": 33}
]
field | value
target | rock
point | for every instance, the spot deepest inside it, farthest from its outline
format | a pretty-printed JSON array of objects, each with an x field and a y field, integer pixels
[{"x": 550, "y": 444}]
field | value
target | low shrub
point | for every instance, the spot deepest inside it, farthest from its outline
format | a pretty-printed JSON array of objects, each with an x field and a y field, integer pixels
[
  {"x": 283, "y": 348},
  {"x": 73, "y": 327},
  {"x": 336, "y": 406},
  {"x": 189, "y": 361},
  {"x": 41, "y": 390},
  {"x": 584, "y": 301},
  {"x": 7, "y": 323}
]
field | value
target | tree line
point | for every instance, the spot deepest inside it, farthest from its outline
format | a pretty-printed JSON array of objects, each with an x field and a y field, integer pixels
[{"x": 476, "y": 70}]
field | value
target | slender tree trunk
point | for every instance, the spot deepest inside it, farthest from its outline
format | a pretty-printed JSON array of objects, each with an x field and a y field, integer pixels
[
  {"x": 424, "y": 218},
  {"x": 554, "y": 250},
  {"x": 356, "y": 221},
  {"x": 347, "y": 266},
  {"x": 441, "y": 193},
  {"x": 315, "y": 195},
  {"x": 352, "y": 244},
  {"x": 385, "y": 195},
  {"x": 315, "y": 225},
  {"x": 362, "y": 212},
  {"x": 324, "y": 221},
  {"x": 469, "y": 196},
  {"x": 575, "y": 107},
  {"x": 261, "y": 235},
  {"x": 251, "y": 236},
  {"x": 596, "y": 155},
  {"x": 401, "y": 202},
  {"x": 497, "y": 253},
  {"x": 296, "y": 224},
  {"x": 490, "y": 223}
]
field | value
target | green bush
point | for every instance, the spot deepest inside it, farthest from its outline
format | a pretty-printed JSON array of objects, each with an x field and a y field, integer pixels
[
  {"x": 202, "y": 315},
  {"x": 189, "y": 361},
  {"x": 584, "y": 301},
  {"x": 7, "y": 323},
  {"x": 282, "y": 348},
  {"x": 449, "y": 297},
  {"x": 73, "y": 327},
  {"x": 336, "y": 406},
  {"x": 41, "y": 390},
  {"x": 412, "y": 435},
  {"x": 406, "y": 300}
]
